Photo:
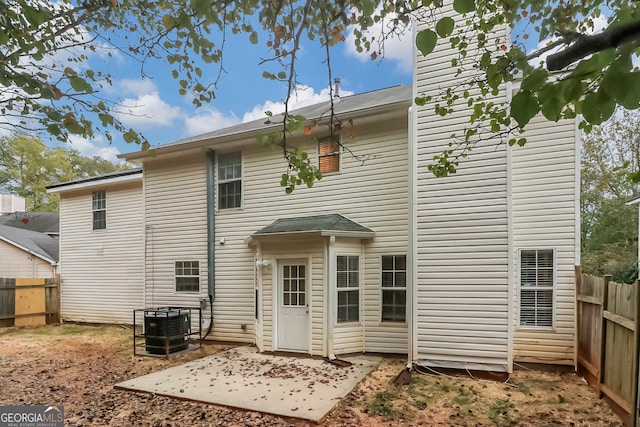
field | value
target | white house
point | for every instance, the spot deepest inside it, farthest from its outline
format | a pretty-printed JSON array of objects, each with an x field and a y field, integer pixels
[
  {"x": 101, "y": 247},
  {"x": 29, "y": 245},
  {"x": 473, "y": 271}
]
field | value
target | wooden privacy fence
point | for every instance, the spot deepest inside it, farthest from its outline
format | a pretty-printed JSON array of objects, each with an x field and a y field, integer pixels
[
  {"x": 608, "y": 330},
  {"x": 29, "y": 301}
]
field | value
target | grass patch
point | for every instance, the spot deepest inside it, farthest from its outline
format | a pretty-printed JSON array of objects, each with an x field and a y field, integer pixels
[
  {"x": 382, "y": 405},
  {"x": 501, "y": 412}
]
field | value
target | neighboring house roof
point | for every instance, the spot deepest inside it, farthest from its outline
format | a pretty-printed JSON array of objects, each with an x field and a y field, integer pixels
[
  {"x": 635, "y": 200},
  {"x": 107, "y": 178},
  {"x": 363, "y": 103},
  {"x": 38, "y": 244},
  {"x": 323, "y": 225},
  {"x": 43, "y": 222}
]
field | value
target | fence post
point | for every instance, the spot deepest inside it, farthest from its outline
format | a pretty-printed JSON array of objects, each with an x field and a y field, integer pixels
[{"x": 603, "y": 329}]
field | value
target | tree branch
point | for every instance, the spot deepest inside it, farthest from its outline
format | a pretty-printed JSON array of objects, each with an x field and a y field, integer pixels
[{"x": 587, "y": 45}]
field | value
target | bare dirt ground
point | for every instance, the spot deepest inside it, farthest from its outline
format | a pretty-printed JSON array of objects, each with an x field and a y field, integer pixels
[{"x": 77, "y": 366}]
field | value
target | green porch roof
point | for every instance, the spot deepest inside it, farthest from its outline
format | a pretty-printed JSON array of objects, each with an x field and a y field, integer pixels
[{"x": 323, "y": 225}]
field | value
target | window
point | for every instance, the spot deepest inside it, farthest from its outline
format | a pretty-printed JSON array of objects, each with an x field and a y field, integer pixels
[
  {"x": 187, "y": 276},
  {"x": 294, "y": 285},
  {"x": 394, "y": 288},
  {"x": 99, "y": 208},
  {"x": 328, "y": 155},
  {"x": 229, "y": 180},
  {"x": 348, "y": 283},
  {"x": 537, "y": 271}
]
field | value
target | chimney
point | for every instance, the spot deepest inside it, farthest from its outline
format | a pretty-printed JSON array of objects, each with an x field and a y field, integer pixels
[{"x": 336, "y": 89}]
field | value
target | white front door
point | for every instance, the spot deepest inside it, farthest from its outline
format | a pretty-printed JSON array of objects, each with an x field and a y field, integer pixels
[{"x": 293, "y": 305}]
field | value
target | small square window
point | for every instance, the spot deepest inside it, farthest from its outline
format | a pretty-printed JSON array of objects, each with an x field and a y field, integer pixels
[
  {"x": 187, "y": 274},
  {"x": 328, "y": 155}
]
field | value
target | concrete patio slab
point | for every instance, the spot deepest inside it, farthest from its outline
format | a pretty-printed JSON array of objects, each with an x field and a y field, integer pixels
[{"x": 299, "y": 387}]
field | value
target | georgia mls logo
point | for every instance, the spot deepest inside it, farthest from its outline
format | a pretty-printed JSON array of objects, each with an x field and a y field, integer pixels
[{"x": 32, "y": 416}]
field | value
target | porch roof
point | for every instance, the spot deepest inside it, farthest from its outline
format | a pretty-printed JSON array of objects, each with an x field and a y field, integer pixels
[{"x": 321, "y": 225}]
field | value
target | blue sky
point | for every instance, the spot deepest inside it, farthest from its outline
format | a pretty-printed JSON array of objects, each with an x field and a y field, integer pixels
[{"x": 163, "y": 116}]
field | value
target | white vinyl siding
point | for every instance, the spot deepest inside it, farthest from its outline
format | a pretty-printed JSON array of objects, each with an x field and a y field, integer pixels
[
  {"x": 462, "y": 247},
  {"x": 359, "y": 192},
  {"x": 102, "y": 273},
  {"x": 545, "y": 192},
  {"x": 17, "y": 263}
]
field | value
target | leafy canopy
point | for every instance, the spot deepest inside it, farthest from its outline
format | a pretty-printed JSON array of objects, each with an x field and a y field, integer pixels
[
  {"x": 590, "y": 46},
  {"x": 27, "y": 166}
]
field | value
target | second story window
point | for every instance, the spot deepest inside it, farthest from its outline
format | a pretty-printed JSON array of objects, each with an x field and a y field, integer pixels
[
  {"x": 328, "y": 155},
  {"x": 229, "y": 180},
  {"x": 99, "y": 208}
]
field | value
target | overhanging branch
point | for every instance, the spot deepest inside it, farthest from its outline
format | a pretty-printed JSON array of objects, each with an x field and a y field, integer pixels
[{"x": 585, "y": 45}]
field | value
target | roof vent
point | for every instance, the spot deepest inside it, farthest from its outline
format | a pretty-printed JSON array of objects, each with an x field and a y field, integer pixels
[{"x": 336, "y": 89}]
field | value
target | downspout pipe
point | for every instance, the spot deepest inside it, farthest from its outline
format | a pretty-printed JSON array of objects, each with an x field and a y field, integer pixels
[{"x": 211, "y": 233}]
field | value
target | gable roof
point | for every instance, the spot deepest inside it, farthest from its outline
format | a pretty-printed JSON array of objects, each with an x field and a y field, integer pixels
[
  {"x": 321, "y": 225},
  {"x": 38, "y": 244},
  {"x": 92, "y": 181},
  {"x": 42, "y": 222},
  {"x": 358, "y": 104}
]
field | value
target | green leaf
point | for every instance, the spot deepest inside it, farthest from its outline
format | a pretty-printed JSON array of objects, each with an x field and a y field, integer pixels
[
  {"x": 78, "y": 83},
  {"x": 130, "y": 136},
  {"x": 201, "y": 6},
  {"x": 596, "y": 108},
  {"x": 426, "y": 41},
  {"x": 464, "y": 6},
  {"x": 535, "y": 80},
  {"x": 169, "y": 22},
  {"x": 445, "y": 26},
  {"x": 35, "y": 16},
  {"x": 524, "y": 107}
]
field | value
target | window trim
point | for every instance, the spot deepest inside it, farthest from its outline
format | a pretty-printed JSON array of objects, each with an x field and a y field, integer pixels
[
  {"x": 175, "y": 276},
  {"x": 553, "y": 289},
  {"x": 338, "y": 153},
  {"x": 358, "y": 288},
  {"x": 94, "y": 210},
  {"x": 224, "y": 181},
  {"x": 394, "y": 288}
]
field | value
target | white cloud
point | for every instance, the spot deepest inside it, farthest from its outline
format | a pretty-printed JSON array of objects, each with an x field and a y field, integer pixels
[
  {"x": 208, "y": 120},
  {"x": 146, "y": 109},
  {"x": 304, "y": 96},
  {"x": 97, "y": 147},
  {"x": 397, "y": 47}
]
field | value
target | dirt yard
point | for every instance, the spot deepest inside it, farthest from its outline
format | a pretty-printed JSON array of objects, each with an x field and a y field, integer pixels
[{"x": 76, "y": 366}]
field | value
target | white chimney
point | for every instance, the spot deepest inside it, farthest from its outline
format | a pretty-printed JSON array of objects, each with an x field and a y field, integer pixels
[{"x": 336, "y": 89}]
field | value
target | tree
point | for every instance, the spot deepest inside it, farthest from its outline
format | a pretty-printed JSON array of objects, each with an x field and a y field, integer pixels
[
  {"x": 586, "y": 72},
  {"x": 609, "y": 226},
  {"x": 27, "y": 166}
]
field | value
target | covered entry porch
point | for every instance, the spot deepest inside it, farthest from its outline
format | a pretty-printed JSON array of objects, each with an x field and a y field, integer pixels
[{"x": 308, "y": 285}]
